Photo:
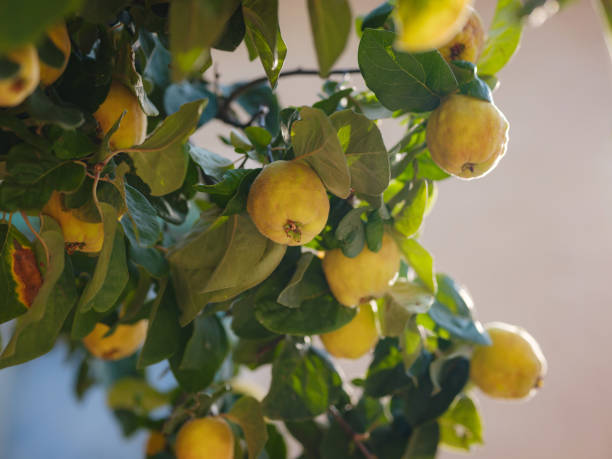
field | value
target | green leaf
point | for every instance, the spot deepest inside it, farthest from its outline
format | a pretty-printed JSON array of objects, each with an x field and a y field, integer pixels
[
  {"x": 330, "y": 105},
  {"x": 233, "y": 34},
  {"x": 374, "y": 231},
  {"x": 351, "y": 233},
  {"x": 401, "y": 303},
  {"x": 402, "y": 81},
  {"x": 330, "y": 22},
  {"x": 304, "y": 384},
  {"x": 140, "y": 223},
  {"x": 163, "y": 333},
  {"x": 461, "y": 327},
  {"x": 102, "y": 11},
  {"x": 20, "y": 278},
  {"x": 420, "y": 260},
  {"x": 315, "y": 141},
  {"x": 70, "y": 143},
  {"x": 37, "y": 330},
  {"x": 152, "y": 260},
  {"x": 377, "y": 17},
  {"x": 49, "y": 54},
  {"x": 8, "y": 68},
  {"x": 135, "y": 394},
  {"x": 219, "y": 260},
  {"x": 32, "y": 176},
  {"x": 307, "y": 282},
  {"x": 469, "y": 82},
  {"x": 365, "y": 152},
  {"x": 16, "y": 31},
  {"x": 244, "y": 323},
  {"x": 410, "y": 218},
  {"x": 21, "y": 130},
  {"x": 460, "y": 426},
  {"x": 179, "y": 94},
  {"x": 45, "y": 110},
  {"x": 503, "y": 39},
  {"x": 386, "y": 374},
  {"x": 161, "y": 160},
  {"x": 263, "y": 33},
  {"x": 195, "y": 366},
  {"x": 276, "y": 448},
  {"x": 423, "y": 442},
  {"x": 232, "y": 192},
  {"x": 194, "y": 27},
  {"x": 248, "y": 414},
  {"x": 212, "y": 164},
  {"x": 411, "y": 342}
]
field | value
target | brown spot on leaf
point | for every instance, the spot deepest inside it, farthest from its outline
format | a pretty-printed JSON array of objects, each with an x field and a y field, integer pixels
[{"x": 26, "y": 273}]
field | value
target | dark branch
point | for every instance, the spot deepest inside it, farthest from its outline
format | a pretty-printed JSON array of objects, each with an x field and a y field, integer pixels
[{"x": 355, "y": 437}]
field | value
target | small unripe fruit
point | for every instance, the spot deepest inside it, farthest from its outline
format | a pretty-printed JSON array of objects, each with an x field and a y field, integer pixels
[
  {"x": 467, "y": 136},
  {"x": 352, "y": 280},
  {"x": 79, "y": 235},
  {"x": 15, "y": 89},
  {"x": 512, "y": 367},
  {"x": 468, "y": 43},
  {"x": 354, "y": 339},
  {"x": 426, "y": 25},
  {"x": 205, "y": 438},
  {"x": 59, "y": 36},
  {"x": 133, "y": 128},
  {"x": 123, "y": 342},
  {"x": 288, "y": 203}
]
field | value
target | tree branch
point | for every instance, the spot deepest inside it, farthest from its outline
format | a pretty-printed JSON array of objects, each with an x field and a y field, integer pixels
[{"x": 355, "y": 437}]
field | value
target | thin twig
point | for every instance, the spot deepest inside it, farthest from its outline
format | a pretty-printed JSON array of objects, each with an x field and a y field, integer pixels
[
  {"x": 357, "y": 438},
  {"x": 37, "y": 236}
]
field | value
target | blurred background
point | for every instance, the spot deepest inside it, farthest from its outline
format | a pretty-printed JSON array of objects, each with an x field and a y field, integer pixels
[{"x": 532, "y": 241}]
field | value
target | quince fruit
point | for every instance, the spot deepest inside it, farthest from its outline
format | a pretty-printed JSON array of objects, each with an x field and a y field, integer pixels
[
  {"x": 467, "y": 136},
  {"x": 133, "y": 128},
  {"x": 58, "y": 34},
  {"x": 156, "y": 443},
  {"x": 78, "y": 234},
  {"x": 367, "y": 275},
  {"x": 14, "y": 89},
  {"x": 354, "y": 339},
  {"x": 468, "y": 43},
  {"x": 205, "y": 438},
  {"x": 425, "y": 25},
  {"x": 288, "y": 203},
  {"x": 512, "y": 367},
  {"x": 123, "y": 342}
]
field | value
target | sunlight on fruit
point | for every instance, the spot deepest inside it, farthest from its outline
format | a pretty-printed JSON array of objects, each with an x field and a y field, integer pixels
[
  {"x": 16, "y": 88},
  {"x": 512, "y": 367},
  {"x": 467, "y": 136},
  {"x": 354, "y": 339},
  {"x": 123, "y": 342},
  {"x": 205, "y": 438},
  {"x": 288, "y": 203}
]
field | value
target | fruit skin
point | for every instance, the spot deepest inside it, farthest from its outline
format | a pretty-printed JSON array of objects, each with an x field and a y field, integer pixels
[
  {"x": 467, "y": 136},
  {"x": 467, "y": 44},
  {"x": 288, "y": 203},
  {"x": 354, "y": 339},
  {"x": 58, "y": 34},
  {"x": 512, "y": 367},
  {"x": 123, "y": 342},
  {"x": 366, "y": 275},
  {"x": 133, "y": 128},
  {"x": 156, "y": 443},
  {"x": 425, "y": 25},
  {"x": 79, "y": 235},
  {"x": 15, "y": 89},
  {"x": 205, "y": 438}
]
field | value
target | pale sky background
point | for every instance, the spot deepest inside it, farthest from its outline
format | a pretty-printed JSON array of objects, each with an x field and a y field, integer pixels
[{"x": 531, "y": 241}]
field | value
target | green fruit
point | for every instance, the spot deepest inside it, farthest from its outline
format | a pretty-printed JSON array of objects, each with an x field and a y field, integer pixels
[
  {"x": 205, "y": 438},
  {"x": 468, "y": 43},
  {"x": 467, "y": 136},
  {"x": 512, "y": 367},
  {"x": 352, "y": 280},
  {"x": 354, "y": 339},
  {"x": 288, "y": 203},
  {"x": 428, "y": 24}
]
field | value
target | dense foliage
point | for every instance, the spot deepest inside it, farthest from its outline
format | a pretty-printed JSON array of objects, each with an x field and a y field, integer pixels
[{"x": 119, "y": 233}]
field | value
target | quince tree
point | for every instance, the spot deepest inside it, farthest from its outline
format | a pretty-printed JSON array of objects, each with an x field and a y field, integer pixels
[{"x": 124, "y": 238}]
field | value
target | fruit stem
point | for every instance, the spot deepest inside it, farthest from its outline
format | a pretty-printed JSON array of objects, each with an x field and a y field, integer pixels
[{"x": 293, "y": 231}]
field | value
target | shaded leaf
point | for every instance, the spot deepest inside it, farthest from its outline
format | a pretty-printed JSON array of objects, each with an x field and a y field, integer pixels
[
  {"x": 330, "y": 22},
  {"x": 460, "y": 426},
  {"x": 248, "y": 414},
  {"x": 423, "y": 443},
  {"x": 140, "y": 223},
  {"x": 420, "y": 260}
]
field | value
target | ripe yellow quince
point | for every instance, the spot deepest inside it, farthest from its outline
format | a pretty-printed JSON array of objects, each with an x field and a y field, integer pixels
[
  {"x": 288, "y": 203},
  {"x": 467, "y": 136},
  {"x": 354, "y": 339},
  {"x": 133, "y": 128},
  {"x": 205, "y": 438},
  {"x": 156, "y": 443},
  {"x": 468, "y": 43},
  {"x": 425, "y": 25},
  {"x": 78, "y": 234},
  {"x": 15, "y": 89},
  {"x": 58, "y": 34},
  {"x": 367, "y": 275},
  {"x": 512, "y": 367},
  {"x": 123, "y": 342}
]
